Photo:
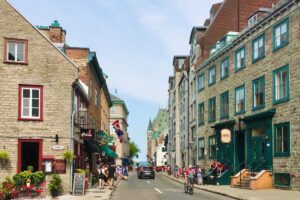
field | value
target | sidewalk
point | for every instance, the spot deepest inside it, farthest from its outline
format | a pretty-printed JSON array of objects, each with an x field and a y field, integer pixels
[{"x": 244, "y": 194}]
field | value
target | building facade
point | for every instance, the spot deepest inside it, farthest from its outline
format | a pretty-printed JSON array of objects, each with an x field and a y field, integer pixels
[
  {"x": 120, "y": 112},
  {"x": 36, "y": 100},
  {"x": 245, "y": 88}
]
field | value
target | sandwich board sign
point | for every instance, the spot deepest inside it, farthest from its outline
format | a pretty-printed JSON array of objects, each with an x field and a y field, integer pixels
[{"x": 79, "y": 183}]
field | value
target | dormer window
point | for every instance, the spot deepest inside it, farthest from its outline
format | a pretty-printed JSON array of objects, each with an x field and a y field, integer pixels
[{"x": 252, "y": 20}]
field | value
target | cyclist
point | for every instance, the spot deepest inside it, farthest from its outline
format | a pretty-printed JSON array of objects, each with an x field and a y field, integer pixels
[{"x": 189, "y": 174}]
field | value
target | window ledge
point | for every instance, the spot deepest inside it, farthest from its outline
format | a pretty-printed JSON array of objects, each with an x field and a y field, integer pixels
[
  {"x": 211, "y": 84},
  {"x": 226, "y": 76},
  {"x": 282, "y": 154},
  {"x": 200, "y": 90},
  {"x": 239, "y": 69},
  {"x": 239, "y": 113},
  {"x": 15, "y": 63},
  {"x": 30, "y": 119},
  {"x": 258, "y": 108},
  {"x": 279, "y": 47},
  {"x": 258, "y": 59},
  {"x": 281, "y": 100}
]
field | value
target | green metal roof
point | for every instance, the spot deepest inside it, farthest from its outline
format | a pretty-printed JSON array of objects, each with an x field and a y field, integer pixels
[
  {"x": 117, "y": 100},
  {"x": 159, "y": 124}
]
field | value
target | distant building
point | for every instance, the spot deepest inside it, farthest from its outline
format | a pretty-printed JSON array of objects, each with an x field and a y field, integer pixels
[
  {"x": 155, "y": 138},
  {"x": 120, "y": 112}
]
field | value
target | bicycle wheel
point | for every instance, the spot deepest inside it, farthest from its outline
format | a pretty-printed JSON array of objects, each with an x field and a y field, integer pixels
[{"x": 191, "y": 191}]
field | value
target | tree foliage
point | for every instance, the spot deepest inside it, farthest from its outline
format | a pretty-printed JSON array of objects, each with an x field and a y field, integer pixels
[{"x": 133, "y": 150}]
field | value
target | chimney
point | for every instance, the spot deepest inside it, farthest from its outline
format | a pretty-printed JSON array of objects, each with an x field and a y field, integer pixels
[{"x": 56, "y": 33}]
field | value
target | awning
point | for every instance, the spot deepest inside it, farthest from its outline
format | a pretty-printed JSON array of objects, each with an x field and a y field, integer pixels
[
  {"x": 108, "y": 152},
  {"x": 91, "y": 146}
]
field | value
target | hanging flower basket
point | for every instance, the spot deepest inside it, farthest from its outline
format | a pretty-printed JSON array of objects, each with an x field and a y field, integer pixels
[
  {"x": 68, "y": 156},
  {"x": 4, "y": 157}
]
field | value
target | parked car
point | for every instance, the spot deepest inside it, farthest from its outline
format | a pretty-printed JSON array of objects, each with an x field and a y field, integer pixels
[
  {"x": 146, "y": 172},
  {"x": 158, "y": 168}
]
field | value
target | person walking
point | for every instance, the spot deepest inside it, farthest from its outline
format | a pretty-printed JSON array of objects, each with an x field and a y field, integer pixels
[
  {"x": 101, "y": 176},
  {"x": 125, "y": 172},
  {"x": 111, "y": 175},
  {"x": 199, "y": 176}
]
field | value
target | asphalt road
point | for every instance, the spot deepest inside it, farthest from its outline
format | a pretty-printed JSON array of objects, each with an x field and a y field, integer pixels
[{"x": 161, "y": 188}]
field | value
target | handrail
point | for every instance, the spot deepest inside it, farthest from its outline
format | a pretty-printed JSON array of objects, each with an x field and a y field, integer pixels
[
  {"x": 237, "y": 167},
  {"x": 257, "y": 167}
]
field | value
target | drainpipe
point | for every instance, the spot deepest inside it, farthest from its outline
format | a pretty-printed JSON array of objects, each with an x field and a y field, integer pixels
[{"x": 72, "y": 141}]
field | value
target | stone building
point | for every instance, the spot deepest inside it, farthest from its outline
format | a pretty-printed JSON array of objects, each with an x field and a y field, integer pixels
[
  {"x": 155, "y": 135},
  {"x": 120, "y": 112},
  {"x": 36, "y": 100},
  {"x": 248, "y": 97}
]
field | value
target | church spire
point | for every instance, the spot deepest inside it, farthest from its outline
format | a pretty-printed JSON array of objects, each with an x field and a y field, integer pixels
[{"x": 150, "y": 125}]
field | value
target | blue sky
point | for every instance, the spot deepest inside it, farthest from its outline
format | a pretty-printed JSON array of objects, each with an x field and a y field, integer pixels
[{"x": 135, "y": 41}]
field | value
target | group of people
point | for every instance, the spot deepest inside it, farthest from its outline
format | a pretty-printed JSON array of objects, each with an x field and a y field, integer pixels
[
  {"x": 107, "y": 174},
  {"x": 197, "y": 174},
  {"x": 190, "y": 172}
]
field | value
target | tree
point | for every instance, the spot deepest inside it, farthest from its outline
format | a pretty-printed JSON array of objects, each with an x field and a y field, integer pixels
[{"x": 133, "y": 150}]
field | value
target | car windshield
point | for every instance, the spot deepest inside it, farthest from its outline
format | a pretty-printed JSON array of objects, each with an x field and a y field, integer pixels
[{"x": 147, "y": 168}]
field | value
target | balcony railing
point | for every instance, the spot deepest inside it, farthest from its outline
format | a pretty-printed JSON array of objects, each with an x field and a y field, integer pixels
[{"x": 81, "y": 118}]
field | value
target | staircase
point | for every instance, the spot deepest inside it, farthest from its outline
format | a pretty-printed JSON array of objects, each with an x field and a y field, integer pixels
[{"x": 252, "y": 180}]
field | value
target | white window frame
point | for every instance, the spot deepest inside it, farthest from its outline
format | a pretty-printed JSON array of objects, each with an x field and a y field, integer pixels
[{"x": 30, "y": 103}]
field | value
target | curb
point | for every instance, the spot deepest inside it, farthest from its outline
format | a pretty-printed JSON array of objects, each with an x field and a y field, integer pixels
[
  {"x": 110, "y": 195},
  {"x": 209, "y": 190}
]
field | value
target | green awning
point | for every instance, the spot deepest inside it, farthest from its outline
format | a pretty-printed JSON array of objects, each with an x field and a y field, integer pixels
[{"x": 108, "y": 152}]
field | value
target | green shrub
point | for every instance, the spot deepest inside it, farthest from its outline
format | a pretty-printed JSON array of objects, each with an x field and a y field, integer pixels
[{"x": 55, "y": 185}]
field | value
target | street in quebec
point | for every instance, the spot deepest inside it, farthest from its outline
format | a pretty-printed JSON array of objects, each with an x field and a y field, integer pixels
[{"x": 131, "y": 100}]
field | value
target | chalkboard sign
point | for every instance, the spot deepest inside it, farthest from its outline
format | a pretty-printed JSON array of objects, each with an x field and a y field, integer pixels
[{"x": 78, "y": 185}]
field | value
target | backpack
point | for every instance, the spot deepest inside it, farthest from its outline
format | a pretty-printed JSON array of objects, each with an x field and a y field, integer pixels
[{"x": 191, "y": 174}]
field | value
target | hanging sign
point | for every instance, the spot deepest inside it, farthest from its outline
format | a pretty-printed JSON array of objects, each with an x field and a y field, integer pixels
[
  {"x": 225, "y": 136},
  {"x": 58, "y": 147}
]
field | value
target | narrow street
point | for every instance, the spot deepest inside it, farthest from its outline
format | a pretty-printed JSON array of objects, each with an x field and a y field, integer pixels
[{"x": 160, "y": 188}]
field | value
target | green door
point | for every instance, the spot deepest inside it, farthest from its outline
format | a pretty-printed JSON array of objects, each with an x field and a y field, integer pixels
[{"x": 259, "y": 153}]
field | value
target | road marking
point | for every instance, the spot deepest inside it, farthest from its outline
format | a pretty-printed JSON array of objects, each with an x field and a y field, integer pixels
[
  {"x": 158, "y": 190},
  {"x": 148, "y": 182}
]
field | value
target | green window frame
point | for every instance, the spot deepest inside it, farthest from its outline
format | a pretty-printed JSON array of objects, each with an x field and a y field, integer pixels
[
  {"x": 240, "y": 59},
  {"x": 224, "y": 105},
  {"x": 281, "y": 85},
  {"x": 224, "y": 68},
  {"x": 212, "y": 75},
  {"x": 201, "y": 147},
  {"x": 201, "y": 114},
  {"x": 212, "y": 151},
  {"x": 282, "y": 139},
  {"x": 212, "y": 110},
  {"x": 282, "y": 179},
  {"x": 258, "y": 93},
  {"x": 200, "y": 82},
  {"x": 240, "y": 100},
  {"x": 258, "y": 48},
  {"x": 281, "y": 34}
]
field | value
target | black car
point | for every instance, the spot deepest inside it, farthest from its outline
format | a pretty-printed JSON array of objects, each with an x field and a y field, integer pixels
[{"x": 146, "y": 172}]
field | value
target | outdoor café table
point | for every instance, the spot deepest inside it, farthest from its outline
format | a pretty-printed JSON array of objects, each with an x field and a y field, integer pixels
[{"x": 28, "y": 190}]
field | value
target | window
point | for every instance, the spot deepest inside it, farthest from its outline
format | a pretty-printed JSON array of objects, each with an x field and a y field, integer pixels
[
  {"x": 201, "y": 114},
  {"x": 281, "y": 85},
  {"x": 240, "y": 100},
  {"x": 91, "y": 88},
  {"x": 16, "y": 51},
  {"x": 212, "y": 76},
  {"x": 282, "y": 139},
  {"x": 212, "y": 109},
  {"x": 258, "y": 93},
  {"x": 200, "y": 82},
  {"x": 212, "y": 147},
  {"x": 200, "y": 148},
  {"x": 30, "y": 102},
  {"x": 96, "y": 98},
  {"x": 281, "y": 34},
  {"x": 224, "y": 68},
  {"x": 240, "y": 59},
  {"x": 282, "y": 179},
  {"x": 258, "y": 48},
  {"x": 224, "y": 105},
  {"x": 252, "y": 20}
]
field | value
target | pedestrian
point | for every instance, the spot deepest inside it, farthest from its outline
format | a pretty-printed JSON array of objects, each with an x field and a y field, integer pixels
[
  {"x": 199, "y": 176},
  {"x": 125, "y": 172},
  {"x": 101, "y": 176},
  {"x": 111, "y": 175}
]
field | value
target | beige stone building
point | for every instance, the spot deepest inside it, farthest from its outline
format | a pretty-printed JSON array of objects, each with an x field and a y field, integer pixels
[
  {"x": 120, "y": 112},
  {"x": 36, "y": 98},
  {"x": 249, "y": 85}
]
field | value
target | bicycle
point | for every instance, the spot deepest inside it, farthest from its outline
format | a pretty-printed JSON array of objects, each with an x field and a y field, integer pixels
[{"x": 189, "y": 186}]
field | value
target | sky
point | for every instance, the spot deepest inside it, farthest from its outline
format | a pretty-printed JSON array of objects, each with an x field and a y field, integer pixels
[{"x": 135, "y": 42}]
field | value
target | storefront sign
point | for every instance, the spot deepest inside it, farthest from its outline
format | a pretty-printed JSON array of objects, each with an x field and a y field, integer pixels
[
  {"x": 58, "y": 147},
  {"x": 59, "y": 166},
  {"x": 87, "y": 134},
  {"x": 47, "y": 164},
  {"x": 79, "y": 182},
  {"x": 225, "y": 136}
]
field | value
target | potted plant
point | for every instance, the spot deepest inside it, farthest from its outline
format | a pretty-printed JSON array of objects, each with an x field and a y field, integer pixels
[
  {"x": 55, "y": 185},
  {"x": 68, "y": 155},
  {"x": 30, "y": 168},
  {"x": 4, "y": 156}
]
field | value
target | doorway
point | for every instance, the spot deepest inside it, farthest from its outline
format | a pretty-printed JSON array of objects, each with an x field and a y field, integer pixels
[
  {"x": 29, "y": 154},
  {"x": 240, "y": 151}
]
